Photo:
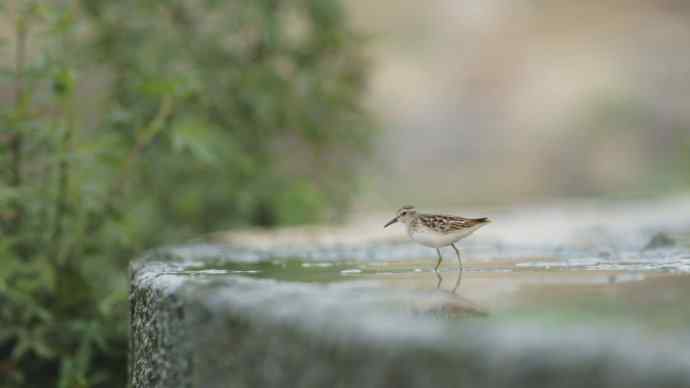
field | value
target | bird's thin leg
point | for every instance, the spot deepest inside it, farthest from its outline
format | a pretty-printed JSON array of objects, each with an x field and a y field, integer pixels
[
  {"x": 460, "y": 269},
  {"x": 440, "y": 258},
  {"x": 457, "y": 252},
  {"x": 439, "y": 279}
]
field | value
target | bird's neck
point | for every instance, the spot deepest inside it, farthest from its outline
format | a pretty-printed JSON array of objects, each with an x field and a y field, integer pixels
[{"x": 412, "y": 224}]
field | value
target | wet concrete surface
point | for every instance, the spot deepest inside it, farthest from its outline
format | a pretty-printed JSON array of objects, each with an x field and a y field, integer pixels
[{"x": 635, "y": 292}]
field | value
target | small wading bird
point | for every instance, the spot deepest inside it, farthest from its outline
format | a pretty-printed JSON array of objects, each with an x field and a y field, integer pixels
[{"x": 437, "y": 230}]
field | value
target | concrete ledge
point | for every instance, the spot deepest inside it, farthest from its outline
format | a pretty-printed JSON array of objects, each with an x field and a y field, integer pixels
[{"x": 206, "y": 329}]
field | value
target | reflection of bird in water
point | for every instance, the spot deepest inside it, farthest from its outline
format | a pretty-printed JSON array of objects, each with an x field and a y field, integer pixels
[
  {"x": 437, "y": 230},
  {"x": 451, "y": 304},
  {"x": 457, "y": 281}
]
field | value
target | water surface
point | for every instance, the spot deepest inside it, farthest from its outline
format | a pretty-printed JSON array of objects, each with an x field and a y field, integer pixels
[{"x": 554, "y": 291}]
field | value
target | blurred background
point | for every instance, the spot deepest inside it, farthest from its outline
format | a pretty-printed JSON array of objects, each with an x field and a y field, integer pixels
[
  {"x": 125, "y": 125},
  {"x": 495, "y": 102}
]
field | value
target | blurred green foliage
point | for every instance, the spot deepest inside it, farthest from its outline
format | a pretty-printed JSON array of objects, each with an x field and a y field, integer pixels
[{"x": 141, "y": 122}]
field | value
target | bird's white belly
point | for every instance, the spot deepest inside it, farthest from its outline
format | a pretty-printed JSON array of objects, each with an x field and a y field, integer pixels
[{"x": 437, "y": 240}]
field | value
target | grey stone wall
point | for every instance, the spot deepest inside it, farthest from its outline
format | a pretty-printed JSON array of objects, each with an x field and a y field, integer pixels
[
  {"x": 205, "y": 329},
  {"x": 159, "y": 355}
]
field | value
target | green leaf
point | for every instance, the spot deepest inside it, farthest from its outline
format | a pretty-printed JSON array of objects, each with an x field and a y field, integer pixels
[
  {"x": 197, "y": 138},
  {"x": 22, "y": 346},
  {"x": 63, "y": 82},
  {"x": 8, "y": 193}
]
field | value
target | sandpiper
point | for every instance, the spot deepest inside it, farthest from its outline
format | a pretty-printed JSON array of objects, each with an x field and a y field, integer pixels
[{"x": 437, "y": 230}]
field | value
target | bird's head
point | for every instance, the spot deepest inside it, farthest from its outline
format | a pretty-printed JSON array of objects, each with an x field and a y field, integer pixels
[{"x": 405, "y": 214}]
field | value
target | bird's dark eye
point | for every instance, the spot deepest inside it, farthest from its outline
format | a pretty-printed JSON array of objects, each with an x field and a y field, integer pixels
[{"x": 403, "y": 213}]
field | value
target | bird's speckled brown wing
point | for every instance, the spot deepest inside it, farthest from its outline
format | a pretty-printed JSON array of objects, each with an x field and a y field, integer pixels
[{"x": 448, "y": 224}]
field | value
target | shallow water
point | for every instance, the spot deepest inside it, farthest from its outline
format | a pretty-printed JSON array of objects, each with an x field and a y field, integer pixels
[{"x": 550, "y": 291}]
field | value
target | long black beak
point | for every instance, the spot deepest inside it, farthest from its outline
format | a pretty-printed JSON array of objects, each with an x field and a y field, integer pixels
[{"x": 391, "y": 222}]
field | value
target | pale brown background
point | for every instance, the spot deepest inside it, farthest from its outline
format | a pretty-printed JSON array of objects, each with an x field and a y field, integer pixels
[{"x": 515, "y": 101}]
